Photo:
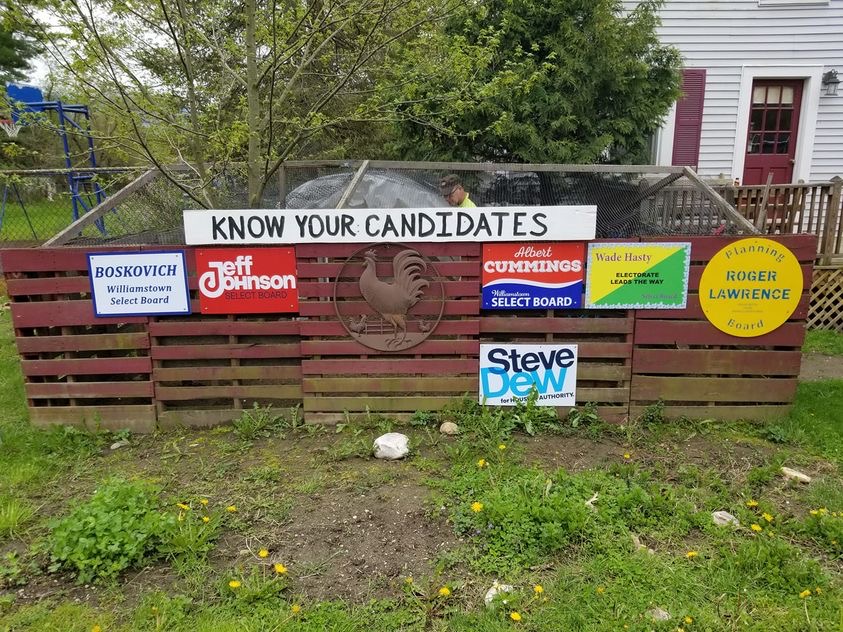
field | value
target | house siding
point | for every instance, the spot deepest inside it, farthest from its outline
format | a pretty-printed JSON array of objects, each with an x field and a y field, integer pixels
[{"x": 723, "y": 37}]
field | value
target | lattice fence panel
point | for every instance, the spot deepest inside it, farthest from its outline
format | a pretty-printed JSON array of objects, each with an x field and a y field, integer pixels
[{"x": 826, "y": 310}]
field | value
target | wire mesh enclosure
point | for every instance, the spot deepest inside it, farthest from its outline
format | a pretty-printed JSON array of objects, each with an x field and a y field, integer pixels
[{"x": 630, "y": 201}]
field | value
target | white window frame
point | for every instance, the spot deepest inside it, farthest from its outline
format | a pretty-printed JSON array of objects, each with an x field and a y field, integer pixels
[{"x": 812, "y": 77}]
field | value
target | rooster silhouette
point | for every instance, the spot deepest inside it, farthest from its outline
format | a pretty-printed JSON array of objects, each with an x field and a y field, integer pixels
[{"x": 393, "y": 300}]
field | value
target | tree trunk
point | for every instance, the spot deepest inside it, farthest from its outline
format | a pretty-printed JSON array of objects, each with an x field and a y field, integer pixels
[{"x": 253, "y": 116}]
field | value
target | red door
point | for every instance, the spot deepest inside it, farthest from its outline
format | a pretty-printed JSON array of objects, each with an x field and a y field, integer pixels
[{"x": 771, "y": 138}]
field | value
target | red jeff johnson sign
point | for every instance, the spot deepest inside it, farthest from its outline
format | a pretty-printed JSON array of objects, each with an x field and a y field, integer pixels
[{"x": 247, "y": 280}]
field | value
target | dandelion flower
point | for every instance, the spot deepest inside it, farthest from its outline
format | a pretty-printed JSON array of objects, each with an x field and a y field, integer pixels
[
  {"x": 814, "y": 512},
  {"x": 476, "y": 507},
  {"x": 501, "y": 446},
  {"x": 756, "y": 527},
  {"x": 688, "y": 620},
  {"x": 295, "y": 608},
  {"x": 515, "y": 616},
  {"x": 204, "y": 501},
  {"x": 538, "y": 589},
  {"x": 805, "y": 593},
  {"x": 183, "y": 507},
  {"x": 206, "y": 519},
  {"x": 231, "y": 509},
  {"x": 691, "y": 554},
  {"x": 444, "y": 591},
  {"x": 818, "y": 590},
  {"x": 96, "y": 628},
  {"x": 751, "y": 503},
  {"x": 279, "y": 568},
  {"x": 408, "y": 580},
  {"x": 482, "y": 463},
  {"x": 600, "y": 590},
  {"x": 767, "y": 517},
  {"x": 627, "y": 455},
  {"x": 234, "y": 584},
  {"x": 263, "y": 553}
]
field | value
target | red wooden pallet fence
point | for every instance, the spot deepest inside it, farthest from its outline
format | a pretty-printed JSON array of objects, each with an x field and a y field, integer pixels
[{"x": 163, "y": 371}]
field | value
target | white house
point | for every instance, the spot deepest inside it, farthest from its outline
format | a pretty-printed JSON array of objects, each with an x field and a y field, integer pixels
[{"x": 755, "y": 83}]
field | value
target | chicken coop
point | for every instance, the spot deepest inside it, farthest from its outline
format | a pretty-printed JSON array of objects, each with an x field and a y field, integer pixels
[{"x": 341, "y": 352}]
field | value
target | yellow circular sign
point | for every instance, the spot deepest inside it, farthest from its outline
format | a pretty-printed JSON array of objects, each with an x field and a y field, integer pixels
[{"x": 751, "y": 287}]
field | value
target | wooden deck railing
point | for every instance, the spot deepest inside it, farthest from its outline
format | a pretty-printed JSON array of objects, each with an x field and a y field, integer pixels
[{"x": 812, "y": 207}]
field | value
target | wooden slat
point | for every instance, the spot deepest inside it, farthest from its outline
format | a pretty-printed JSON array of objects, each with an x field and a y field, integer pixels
[
  {"x": 696, "y": 271},
  {"x": 261, "y": 391},
  {"x": 804, "y": 247},
  {"x": 694, "y": 311},
  {"x": 174, "y": 419},
  {"x": 139, "y": 418},
  {"x": 671, "y": 332},
  {"x": 428, "y": 249},
  {"x": 48, "y": 285},
  {"x": 207, "y": 373},
  {"x": 726, "y": 413},
  {"x": 444, "y": 328},
  {"x": 603, "y": 395},
  {"x": 389, "y": 384},
  {"x": 86, "y": 366},
  {"x": 45, "y": 259},
  {"x": 195, "y": 352},
  {"x": 374, "y": 404},
  {"x": 104, "y": 390},
  {"x": 494, "y": 324},
  {"x": 224, "y": 328},
  {"x": 712, "y": 389},
  {"x": 716, "y": 362},
  {"x": 603, "y": 372},
  {"x": 86, "y": 342},
  {"x": 61, "y": 313},
  {"x": 355, "y": 308},
  {"x": 387, "y": 366},
  {"x": 350, "y": 347},
  {"x": 384, "y": 269},
  {"x": 451, "y": 289}
]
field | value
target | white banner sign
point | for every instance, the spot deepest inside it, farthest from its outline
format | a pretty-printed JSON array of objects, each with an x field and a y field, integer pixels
[
  {"x": 301, "y": 226},
  {"x": 139, "y": 283},
  {"x": 509, "y": 372}
]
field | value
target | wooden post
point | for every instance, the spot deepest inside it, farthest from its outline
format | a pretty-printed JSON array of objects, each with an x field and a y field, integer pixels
[
  {"x": 762, "y": 210},
  {"x": 830, "y": 230}
]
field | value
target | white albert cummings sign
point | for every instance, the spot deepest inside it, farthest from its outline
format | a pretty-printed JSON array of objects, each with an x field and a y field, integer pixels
[
  {"x": 406, "y": 225},
  {"x": 139, "y": 283}
]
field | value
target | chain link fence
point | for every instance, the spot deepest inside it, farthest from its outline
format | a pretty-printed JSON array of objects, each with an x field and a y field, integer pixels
[{"x": 631, "y": 201}]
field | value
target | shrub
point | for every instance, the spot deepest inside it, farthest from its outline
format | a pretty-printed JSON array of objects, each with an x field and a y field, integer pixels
[{"x": 120, "y": 527}]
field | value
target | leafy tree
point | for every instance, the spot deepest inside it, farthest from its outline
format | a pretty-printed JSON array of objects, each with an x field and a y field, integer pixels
[
  {"x": 566, "y": 81},
  {"x": 210, "y": 82},
  {"x": 16, "y": 47}
]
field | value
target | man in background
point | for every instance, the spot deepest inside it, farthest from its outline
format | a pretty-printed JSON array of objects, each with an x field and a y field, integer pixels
[{"x": 452, "y": 190}]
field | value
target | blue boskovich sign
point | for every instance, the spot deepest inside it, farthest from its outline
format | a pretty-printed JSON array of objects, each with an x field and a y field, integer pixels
[{"x": 509, "y": 372}]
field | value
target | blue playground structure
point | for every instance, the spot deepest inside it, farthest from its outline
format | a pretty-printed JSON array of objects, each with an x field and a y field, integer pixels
[{"x": 85, "y": 191}]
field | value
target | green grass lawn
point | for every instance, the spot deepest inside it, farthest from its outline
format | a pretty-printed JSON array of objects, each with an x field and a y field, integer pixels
[
  {"x": 460, "y": 513},
  {"x": 825, "y": 342}
]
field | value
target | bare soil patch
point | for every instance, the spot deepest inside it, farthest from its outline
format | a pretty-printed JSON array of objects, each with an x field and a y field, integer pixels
[{"x": 816, "y": 366}]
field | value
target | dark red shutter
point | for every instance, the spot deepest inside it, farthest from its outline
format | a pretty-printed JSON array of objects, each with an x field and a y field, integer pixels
[{"x": 689, "y": 113}]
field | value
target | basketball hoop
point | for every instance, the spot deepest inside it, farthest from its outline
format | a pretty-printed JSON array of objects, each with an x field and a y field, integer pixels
[{"x": 10, "y": 127}]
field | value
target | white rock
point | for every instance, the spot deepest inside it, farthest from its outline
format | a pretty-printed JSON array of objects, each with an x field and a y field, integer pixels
[
  {"x": 449, "y": 428},
  {"x": 590, "y": 502},
  {"x": 724, "y": 518},
  {"x": 657, "y": 614},
  {"x": 391, "y": 446},
  {"x": 641, "y": 547},
  {"x": 796, "y": 475},
  {"x": 119, "y": 444},
  {"x": 496, "y": 589}
]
